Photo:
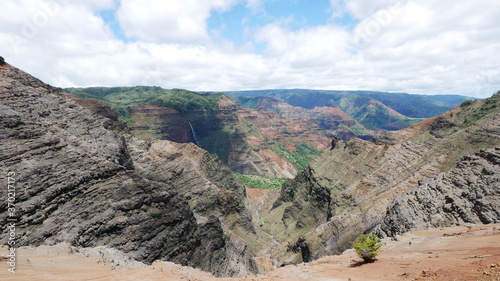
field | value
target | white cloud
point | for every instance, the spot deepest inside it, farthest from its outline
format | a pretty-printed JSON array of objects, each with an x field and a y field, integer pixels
[
  {"x": 361, "y": 9},
  {"x": 94, "y": 5},
  {"x": 423, "y": 46},
  {"x": 313, "y": 48},
  {"x": 168, "y": 20},
  {"x": 256, "y": 6}
]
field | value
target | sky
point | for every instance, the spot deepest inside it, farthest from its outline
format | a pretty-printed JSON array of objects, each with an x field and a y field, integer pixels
[{"x": 411, "y": 46}]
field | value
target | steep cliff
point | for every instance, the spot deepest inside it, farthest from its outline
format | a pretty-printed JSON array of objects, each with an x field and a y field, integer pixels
[
  {"x": 215, "y": 198},
  {"x": 80, "y": 180},
  {"x": 159, "y": 123}
]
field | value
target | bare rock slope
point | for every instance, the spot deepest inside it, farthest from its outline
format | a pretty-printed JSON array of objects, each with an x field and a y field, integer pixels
[
  {"x": 79, "y": 181},
  {"x": 468, "y": 193}
]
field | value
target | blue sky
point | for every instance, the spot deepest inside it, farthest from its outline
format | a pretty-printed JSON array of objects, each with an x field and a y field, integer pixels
[
  {"x": 413, "y": 46},
  {"x": 237, "y": 23}
]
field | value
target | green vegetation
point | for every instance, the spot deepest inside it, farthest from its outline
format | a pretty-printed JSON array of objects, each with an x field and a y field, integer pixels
[
  {"x": 258, "y": 182},
  {"x": 199, "y": 109},
  {"x": 357, "y": 129},
  {"x": 371, "y": 109},
  {"x": 86, "y": 96},
  {"x": 246, "y": 102},
  {"x": 222, "y": 132},
  {"x": 124, "y": 98},
  {"x": 2, "y": 60},
  {"x": 367, "y": 247},
  {"x": 466, "y": 103},
  {"x": 416, "y": 106},
  {"x": 299, "y": 159},
  {"x": 180, "y": 100},
  {"x": 473, "y": 111},
  {"x": 218, "y": 142},
  {"x": 304, "y": 149}
]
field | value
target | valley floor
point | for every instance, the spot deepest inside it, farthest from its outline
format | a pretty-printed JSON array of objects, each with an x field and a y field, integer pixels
[{"x": 456, "y": 253}]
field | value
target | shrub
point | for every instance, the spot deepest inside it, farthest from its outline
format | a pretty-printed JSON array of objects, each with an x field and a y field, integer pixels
[
  {"x": 2, "y": 60},
  {"x": 466, "y": 103},
  {"x": 367, "y": 247}
]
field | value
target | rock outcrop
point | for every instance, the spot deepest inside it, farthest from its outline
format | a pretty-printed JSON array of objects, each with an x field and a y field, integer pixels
[
  {"x": 468, "y": 193},
  {"x": 79, "y": 180},
  {"x": 159, "y": 123},
  {"x": 103, "y": 110}
]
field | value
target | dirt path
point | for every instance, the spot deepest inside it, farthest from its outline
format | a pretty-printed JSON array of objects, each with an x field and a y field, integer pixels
[{"x": 458, "y": 253}]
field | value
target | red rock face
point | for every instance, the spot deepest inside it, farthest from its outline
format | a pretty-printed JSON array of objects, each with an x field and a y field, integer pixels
[
  {"x": 155, "y": 122},
  {"x": 331, "y": 120},
  {"x": 102, "y": 110}
]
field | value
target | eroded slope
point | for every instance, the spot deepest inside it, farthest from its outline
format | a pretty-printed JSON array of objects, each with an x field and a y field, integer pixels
[{"x": 80, "y": 180}]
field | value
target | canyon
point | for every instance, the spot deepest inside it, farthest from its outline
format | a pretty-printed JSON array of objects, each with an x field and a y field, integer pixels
[
  {"x": 161, "y": 180},
  {"x": 267, "y": 134}
]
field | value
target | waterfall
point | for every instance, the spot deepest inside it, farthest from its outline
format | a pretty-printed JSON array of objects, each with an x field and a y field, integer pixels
[{"x": 194, "y": 135}]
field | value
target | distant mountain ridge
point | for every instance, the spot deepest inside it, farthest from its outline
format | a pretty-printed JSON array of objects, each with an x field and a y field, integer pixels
[
  {"x": 373, "y": 112},
  {"x": 248, "y": 138},
  {"x": 415, "y": 106},
  {"x": 249, "y": 141}
]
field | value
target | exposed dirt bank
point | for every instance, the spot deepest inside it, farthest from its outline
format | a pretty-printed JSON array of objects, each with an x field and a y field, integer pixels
[{"x": 457, "y": 253}]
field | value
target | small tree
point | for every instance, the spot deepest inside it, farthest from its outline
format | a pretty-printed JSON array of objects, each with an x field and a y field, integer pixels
[
  {"x": 2, "y": 60},
  {"x": 367, "y": 247}
]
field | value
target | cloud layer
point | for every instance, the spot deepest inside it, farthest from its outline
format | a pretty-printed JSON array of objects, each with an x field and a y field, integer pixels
[{"x": 421, "y": 47}]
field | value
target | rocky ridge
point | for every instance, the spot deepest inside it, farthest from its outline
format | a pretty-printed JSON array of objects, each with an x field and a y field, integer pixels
[
  {"x": 159, "y": 123},
  {"x": 80, "y": 180},
  {"x": 468, "y": 193}
]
